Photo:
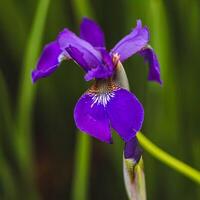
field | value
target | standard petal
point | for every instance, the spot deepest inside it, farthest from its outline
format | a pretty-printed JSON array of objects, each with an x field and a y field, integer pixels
[
  {"x": 68, "y": 40},
  {"x": 101, "y": 71},
  {"x": 132, "y": 150},
  {"x": 125, "y": 113},
  {"x": 91, "y": 118},
  {"x": 48, "y": 61},
  {"x": 154, "y": 66},
  {"x": 132, "y": 43},
  {"x": 78, "y": 57},
  {"x": 91, "y": 32},
  {"x": 104, "y": 70},
  {"x": 107, "y": 59}
]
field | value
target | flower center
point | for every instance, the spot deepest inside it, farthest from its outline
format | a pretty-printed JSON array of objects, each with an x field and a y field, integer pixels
[{"x": 102, "y": 91}]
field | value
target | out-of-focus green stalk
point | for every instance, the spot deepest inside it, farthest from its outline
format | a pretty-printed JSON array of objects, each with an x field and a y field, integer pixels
[
  {"x": 27, "y": 91},
  {"x": 81, "y": 167},
  {"x": 8, "y": 183},
  {"x": 5, "y": 106},
  {"x": 6, "y": 123},
  {"x": 162, "y": 102},
  {"x": 167, "y": 159},
  {"x": 13, "y": 23},
  {"x": 162, "y": 43},
  {"x": 83, "y": 144}
]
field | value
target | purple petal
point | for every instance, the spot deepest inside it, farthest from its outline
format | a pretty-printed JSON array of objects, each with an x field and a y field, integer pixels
[
  {"x": 101, "y": 71},
  {"x": 91, "y": 32},
  {"x": 125, "y": 113},
  {"x": 132, "y": 43},
  {"x": 107, "y": 59},
  {"x": 132, "y": 150},
  {"x": 105, "y": 70},
  {"x": 48, "y": 61},
  {"x": 91, "y": 118},
  {"x": 154, "y": 66},
  {"x": 68, "y": 40},
  {"x": 78, "y": 56}
]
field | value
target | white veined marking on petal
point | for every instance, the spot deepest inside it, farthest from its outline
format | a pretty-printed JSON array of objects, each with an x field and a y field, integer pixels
[
  {"x": 102, "y": 98},
  {"x": 62, "y": 57}
]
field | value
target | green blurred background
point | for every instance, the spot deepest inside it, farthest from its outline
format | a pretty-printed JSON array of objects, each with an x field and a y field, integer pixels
[{"x": 37, "y": 131}]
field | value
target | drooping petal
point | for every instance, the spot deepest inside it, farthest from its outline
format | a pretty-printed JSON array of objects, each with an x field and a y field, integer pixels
[
  {"x": 48, "y": 62},
  {"x": 91, "y": 117},
  {"x": 154, "y": 66},
  {"x": 132, "y": 150},
  {"x": 125, "y": 113},
  {"x": 132, "y": 43},
  {"x": 68, "y": 40},
  {"x": 91, "y": 32}
]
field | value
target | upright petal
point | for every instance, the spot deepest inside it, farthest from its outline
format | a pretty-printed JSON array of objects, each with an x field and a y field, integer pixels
[
  {"x": 125, "y": 113},
  {"x": 78, "y": 57},
  {"x": 154, "y": 66},
  {"x": 132, "y": 43},
  {"x": 101, "y": 71},
  {"x": 104, "y": 70},
  {"x": 107, "y": 59},
  {"x": 91, "y": 118},
  {"x": 91, "y": 32},
  {"x": 48, "y": 61},
  {"x": 68, "y": 40}
]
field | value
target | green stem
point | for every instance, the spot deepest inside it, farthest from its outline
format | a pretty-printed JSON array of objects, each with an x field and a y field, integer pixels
[
  {"x": 23, "y": 136},
  {"x": 81, "y": 167},
  {"x": 5, "y": 107},
  {"x": 169, "y": 160},
  {"x": 27, "y": 89}
]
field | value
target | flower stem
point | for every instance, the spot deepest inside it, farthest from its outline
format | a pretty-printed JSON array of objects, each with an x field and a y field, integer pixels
[
  {"x": 81, "y": 167},
  {"x": 26, "y": 88},
  {"x": 169, "y": 160},
  {"x": 26, "y": 96}
]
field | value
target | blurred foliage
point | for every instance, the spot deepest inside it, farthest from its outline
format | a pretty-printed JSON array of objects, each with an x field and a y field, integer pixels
[{"x": 172, "y": 111}]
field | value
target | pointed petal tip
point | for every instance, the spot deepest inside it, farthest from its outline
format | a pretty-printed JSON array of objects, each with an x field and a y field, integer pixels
[
  {"x": 139, "y": 23},
  {"x": 133, "y": 42},
  {"x": 108, "y": 140},
  {"x": 91, "y": 32},
  {"x": 33, "y": 76},
  {"x": 85, "y": 18},
  {"x": 157, "y": 80},
  {"x": 160, "y": 82},
  {"x": 36, "y": 75},
  {"x": 48, "y": 61}
]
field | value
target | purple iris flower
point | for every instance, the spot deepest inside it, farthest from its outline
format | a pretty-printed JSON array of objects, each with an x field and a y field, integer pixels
[{"x": 105, "y": 104}]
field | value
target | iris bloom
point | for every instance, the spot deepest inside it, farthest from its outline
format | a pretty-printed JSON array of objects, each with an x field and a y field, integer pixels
[{"x": 105, "y": 104}]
